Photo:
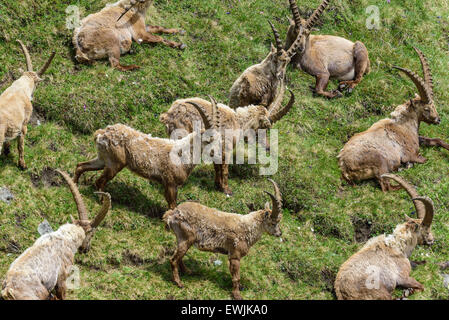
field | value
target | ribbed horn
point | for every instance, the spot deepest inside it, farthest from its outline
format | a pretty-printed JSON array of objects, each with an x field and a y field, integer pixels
[
  {"x": 207, "y": 120},
  {"x": 27, "y": 56},
  {"x": 316, "y": 14},
  {"x": 276, "y": 199},
  {"x": 46, "y": 65},
  {"x": 295, "y": 45},
  {"x": 295, "y": 12},
  {"x": 277, "y": 37},
  {"x": 103, "y": 211},
  {"x": 420, "y": 209},
  {"x": 424, "y": 93},
  {"x": 430, "y": 210},
  {"x": 278, "y": 115},
  {"x": 82, "y": 211},
  {"x": 426, "y": 70},
  {"x": 216, "y": 119}
]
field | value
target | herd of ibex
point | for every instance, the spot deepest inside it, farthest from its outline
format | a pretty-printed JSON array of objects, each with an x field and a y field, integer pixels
[{"x": 256, "y": 101}]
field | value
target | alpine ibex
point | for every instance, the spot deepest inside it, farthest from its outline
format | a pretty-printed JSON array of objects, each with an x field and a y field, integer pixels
[
  {"x": 120, "y": 146},
  {"x": 16, "y": 107},
  {"x": 326, "y": 57},
  {"x": 221, "y": 232},
  {"x": 101, "y": 35},
  {"x": 184, "y": 113},
  {"x": 389, "y": 143},
  {"x": 382, "y": 264},
  {"x": 47, "y": 264},
  {"x": 262, "y": 83}
]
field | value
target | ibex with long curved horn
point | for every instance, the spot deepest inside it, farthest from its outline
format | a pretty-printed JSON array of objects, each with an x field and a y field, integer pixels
[
  {"x": 183, "y": 114},
  {"x": 221, "y": 232},
  {"x": 326, "y": 57},
  {"x": 263, "y": 83},
  {"x": 47, "y": 264},
  {"x": 382, "y": 264},
  {"x": 16, "y": 107},
  {"x": 110, "y": 32},
  {"x": 394, "y": 141}
]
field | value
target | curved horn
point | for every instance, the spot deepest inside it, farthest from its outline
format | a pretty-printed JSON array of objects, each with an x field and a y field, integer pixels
[
  {"x": 426, "y": 70},
  {"x": 276, "y": 199},
  {"x": 316, "y": 14},
  {"x": 216, "y": 121},
  {"x": 295, "y": 45},
  {"x": 278, "y": 115},
  {"x": 46, "y": 65},
  {"x": 420, "y": 209},
  {"x": 430, "y": 209},
  {"x": 277, "y": 37},
  {"x": 103, "y": 211},
  {"x": 207, "y": 120},
  {"x": 82, "y": 211},
  {"x": 419, "y": 83},
  {"x": 295, "y": 12},
  {"x": 27, "y": 56},
  {"x": 126, "y": 11}
]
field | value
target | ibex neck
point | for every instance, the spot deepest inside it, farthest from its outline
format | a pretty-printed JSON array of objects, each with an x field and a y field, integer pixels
[{"x": 254, "y": 227}]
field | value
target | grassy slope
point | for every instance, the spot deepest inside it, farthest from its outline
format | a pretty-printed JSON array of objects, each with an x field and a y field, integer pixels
[{"x": 129, "y": 258}]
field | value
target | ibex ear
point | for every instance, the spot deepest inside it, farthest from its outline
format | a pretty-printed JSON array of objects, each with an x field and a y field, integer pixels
[
  {"x": 267, "y": 206},
  {"x": 407, "y": 218},
  {"x": 273, "y": 48}
]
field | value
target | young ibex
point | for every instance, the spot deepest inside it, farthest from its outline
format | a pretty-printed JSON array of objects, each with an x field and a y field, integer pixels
[
  {"x": 221, "y": 232},
  {"x": 101, "y": 35},
  {"x": 391, "y": 142},
  {"x": 326, "y": 57},
  {"x": 47, "y": 264},
  {"x": 262, "y": 83},
  {"x": 382, "y": 264},
  {"x": 16, "y": 107},
  {"x": 120, "y": 146},
  {"x": 184, "y": 113}
]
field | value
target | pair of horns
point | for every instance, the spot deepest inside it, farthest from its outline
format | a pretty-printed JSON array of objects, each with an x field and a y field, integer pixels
[
  {"x": 30, "y": 64},
  {"x": 210, "y": 122},
  {"x": 82, "y": 211},
  {"x": 133, "y": 4},
  {"x": 312, "y": 19},
  {"x": 424, "y": 86},
  {"x": 276, "y": 199},
  {"x": 423, "y": 205},
  {"x": 293, "y": 48}
]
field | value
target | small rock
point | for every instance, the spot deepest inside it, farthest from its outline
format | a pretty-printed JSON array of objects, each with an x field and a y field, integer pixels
[
  {"x": 218, "y": 262},
  {"x": 44, "y": 228},
  {"x": 446, "y": 280},
  {"x": 6, "y": 195}
]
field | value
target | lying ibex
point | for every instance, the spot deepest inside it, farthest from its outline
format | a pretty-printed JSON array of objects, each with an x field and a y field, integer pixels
[
  {"x": 16, "y": 107},
  {"x": 391, "y": 142},
  {"x": 184, "y": 113},
  {"x": 47, "y": 264},
  {"x": 101, "y": 35},
  {"x": 120, "y": 146},
  {"x": 382, "y": 264},
  {"x": 263, "y": 83},
  {"x": 326, "y": 57},
  {"x": 221, "y": 232}
]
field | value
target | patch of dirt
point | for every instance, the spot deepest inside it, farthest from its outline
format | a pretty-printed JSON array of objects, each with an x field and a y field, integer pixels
[
  {"x": 362, "y": 229},
  {"x": 166, "y": 252},
  {"x": 20, "y": 217},
  {"x": 328, "y": 277},
  {"x": 37, "y": 118},
  {"x": 12, "y": 247},
  {"x": 48, "y": 177},
  {"x": 132, "y": 258}
]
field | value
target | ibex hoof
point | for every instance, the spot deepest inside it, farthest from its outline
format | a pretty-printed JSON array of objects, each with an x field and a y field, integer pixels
[
  {"x": 23, "y": 166},
  {"x": 237, "y": 296},
  {"x": 182, "y": 46},
  {"x": 182, "y": 32}
]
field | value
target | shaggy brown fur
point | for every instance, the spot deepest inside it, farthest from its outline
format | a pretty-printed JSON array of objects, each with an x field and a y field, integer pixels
[
  {"x": 47, "y": 264},
  {"x": 120, "y": 146},
  {"x": 382, "y": 264},
  {"x": 182, "y": 115},
  {"x": 221, "y": 232},
  {"x": 327, "y": 57},
  {"x": 389, "y": 143},
  {"x": 16, "y": 107},
  {"x": 102, "y": 36}
]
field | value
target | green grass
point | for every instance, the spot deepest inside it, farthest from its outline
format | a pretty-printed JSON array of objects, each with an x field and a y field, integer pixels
[{"x": 130, "y": 251}]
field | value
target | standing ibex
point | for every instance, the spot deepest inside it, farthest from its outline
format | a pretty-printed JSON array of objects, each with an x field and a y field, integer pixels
[
  {"x": 16, "y": 107},
  {"x": 184, "y": 113},
  {"x": 47, "y": 264},
  {"x": 221, "y": 232},
  {"x": 120, "y": 146},
  {"x": 101, "y": 35},
  {"x": 326, "y": 57},
  {"x": 382, "y": 264},
  {"x": 389, "y": 143}
]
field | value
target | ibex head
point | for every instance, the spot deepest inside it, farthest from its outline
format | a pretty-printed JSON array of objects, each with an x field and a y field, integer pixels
[
  {"x": 273, "y": 217},
  {"x": 36, "y": 76},
  {"x": 89, "y": 226},
  {"x": 140, "y": 5},
  {"x": 417, "y": 230},
  {"x": 423, "y": 104},
  {"x": 301, "y": 28}
]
